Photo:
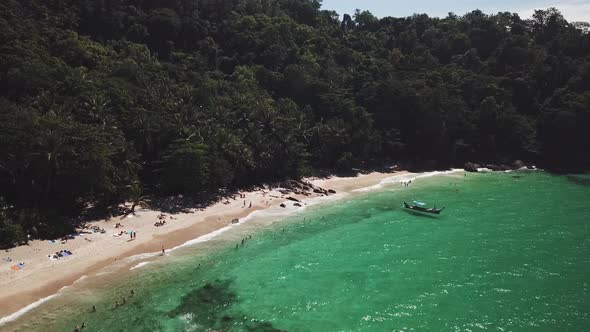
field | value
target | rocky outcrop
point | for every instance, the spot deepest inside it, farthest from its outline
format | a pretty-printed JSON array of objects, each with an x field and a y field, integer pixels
[
  {"x": 471, "y": 167},
  {"x": 518, "y": 164}
]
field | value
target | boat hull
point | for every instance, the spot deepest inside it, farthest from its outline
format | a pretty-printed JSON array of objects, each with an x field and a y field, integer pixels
[{"x": 421, "y": 209}]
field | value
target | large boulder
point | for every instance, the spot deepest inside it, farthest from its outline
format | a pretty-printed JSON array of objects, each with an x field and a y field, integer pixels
[
  {"x": 471, "y": 167},
  {"x": 518, "y": 164},
  {"x": 493, "y": 167}
]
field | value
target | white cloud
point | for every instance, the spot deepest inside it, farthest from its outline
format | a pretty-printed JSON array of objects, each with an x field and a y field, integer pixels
[{"x": 572, "y": 10}]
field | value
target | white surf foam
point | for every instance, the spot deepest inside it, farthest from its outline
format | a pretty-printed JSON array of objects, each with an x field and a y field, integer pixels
[
  {"x": 139, "y": 265},
  {"x": 275, "y": 211},
  {"x": 203, "y": 238},
  {"x": 35, "y": 304},
  {"x": 255, "y": 214},
  {"x": 79, "y": 279},
  {"x": 406, "y": 177},
  {"x": 142, "y": 256},
  {"x": 24, "y": 310}
]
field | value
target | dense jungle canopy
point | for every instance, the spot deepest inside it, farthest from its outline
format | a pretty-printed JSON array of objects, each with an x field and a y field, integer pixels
[{"x": 106, "y": 101}]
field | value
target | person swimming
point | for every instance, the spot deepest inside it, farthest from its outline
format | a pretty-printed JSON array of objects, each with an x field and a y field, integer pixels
[{"x": 93, "y": 308}]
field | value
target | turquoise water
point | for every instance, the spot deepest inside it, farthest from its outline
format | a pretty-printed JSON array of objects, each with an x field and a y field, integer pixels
[{"x": 511, "y": 252}]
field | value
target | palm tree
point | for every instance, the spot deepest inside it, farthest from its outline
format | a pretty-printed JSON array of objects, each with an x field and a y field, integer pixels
[{"x": 51, "y": 143}]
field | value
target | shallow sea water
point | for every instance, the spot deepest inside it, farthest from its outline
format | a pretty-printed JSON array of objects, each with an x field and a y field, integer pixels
[{"x": 510, "y": 252}]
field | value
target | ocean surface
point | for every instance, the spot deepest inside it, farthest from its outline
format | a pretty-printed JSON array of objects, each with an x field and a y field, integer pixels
[{"x": 511, "y": 252}]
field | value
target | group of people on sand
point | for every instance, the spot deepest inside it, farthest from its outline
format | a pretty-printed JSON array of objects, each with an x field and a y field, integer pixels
[
  {"x": 162, "y": 220},
  {"x": 132, "y": 234},
  {"x": 60, "y": 254},
  {"x": 97, "y": 229}
]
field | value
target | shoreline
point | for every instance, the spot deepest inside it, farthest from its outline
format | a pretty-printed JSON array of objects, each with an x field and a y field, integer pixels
[{"x": 41, "y": 279}]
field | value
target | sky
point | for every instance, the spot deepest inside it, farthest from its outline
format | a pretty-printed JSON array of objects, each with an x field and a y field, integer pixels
[{"x": 572, "y": 10}]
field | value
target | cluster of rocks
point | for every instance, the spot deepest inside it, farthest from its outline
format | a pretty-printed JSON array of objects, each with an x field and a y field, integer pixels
[
  {"x": 298, "y": 187},
  {"x": 517, "y": 164},
  {"x": 301, "y": 188}
]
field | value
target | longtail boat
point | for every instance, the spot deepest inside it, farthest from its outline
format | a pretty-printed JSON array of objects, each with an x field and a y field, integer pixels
[{"x": 419, "y": 206}]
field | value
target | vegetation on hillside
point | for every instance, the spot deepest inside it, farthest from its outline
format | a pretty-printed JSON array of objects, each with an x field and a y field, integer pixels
[{"x": 105, "y": 101}]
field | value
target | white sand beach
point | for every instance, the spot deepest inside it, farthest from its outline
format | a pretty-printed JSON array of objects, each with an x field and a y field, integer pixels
[{"x": 42, "y": 276}]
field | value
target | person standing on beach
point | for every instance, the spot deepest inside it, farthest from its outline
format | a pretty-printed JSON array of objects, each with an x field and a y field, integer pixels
[{"x": 163, "y": 251}]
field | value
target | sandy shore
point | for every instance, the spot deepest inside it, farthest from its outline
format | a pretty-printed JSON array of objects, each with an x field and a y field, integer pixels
[{"x": 42, "y": 276}]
